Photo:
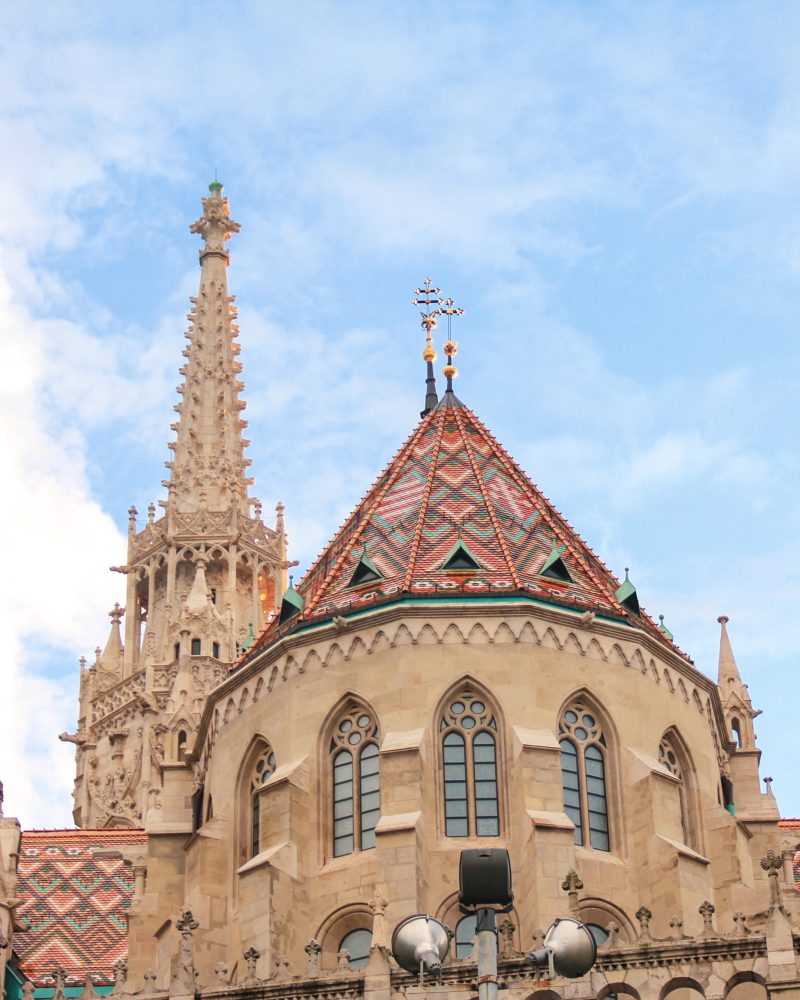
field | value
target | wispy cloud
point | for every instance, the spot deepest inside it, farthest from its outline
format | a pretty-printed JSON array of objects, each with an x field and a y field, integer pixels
[{"x": 610, "y": 192}]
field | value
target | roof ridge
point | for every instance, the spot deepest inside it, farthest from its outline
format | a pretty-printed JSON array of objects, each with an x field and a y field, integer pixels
[
  {"x": 489, "y": 506},
  {"x": 547, "y": 509},
  {"x": 424, "y": 503},
  {"x": 368, "y": 501}
]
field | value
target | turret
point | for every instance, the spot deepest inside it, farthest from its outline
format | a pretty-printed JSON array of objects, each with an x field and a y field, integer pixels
[{"x": 199, "y": 578}]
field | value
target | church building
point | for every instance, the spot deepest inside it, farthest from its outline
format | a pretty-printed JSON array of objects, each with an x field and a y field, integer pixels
[{"x": 269, "y": 778}]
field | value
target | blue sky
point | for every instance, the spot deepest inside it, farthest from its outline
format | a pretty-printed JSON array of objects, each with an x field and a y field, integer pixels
[{"x": 609, "y": 190}]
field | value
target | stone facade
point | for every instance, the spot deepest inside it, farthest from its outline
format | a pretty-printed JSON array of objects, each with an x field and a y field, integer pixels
[
  {"x": 623, "y": 781},
  {"x": 9, "y": 851},
  {"x": 200, "y": 578}
]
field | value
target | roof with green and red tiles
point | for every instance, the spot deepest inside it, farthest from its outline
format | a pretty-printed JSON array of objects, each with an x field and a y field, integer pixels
[
  {"x": 74, "y": 900},
  {"x": 454, "y": 515}
]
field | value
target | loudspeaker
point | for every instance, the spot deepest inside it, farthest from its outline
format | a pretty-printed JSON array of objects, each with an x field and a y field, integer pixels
[
  {"x": 484, "y": 875},
  {"x": 420, "y": 939},
  {"x": 569, "y": 949}
]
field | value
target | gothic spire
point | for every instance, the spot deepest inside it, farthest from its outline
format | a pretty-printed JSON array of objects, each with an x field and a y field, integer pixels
[
  {"x": 728, "y": 676},
  {"x": 208, "y": 467},
  {"x": 733, "y": 692}
]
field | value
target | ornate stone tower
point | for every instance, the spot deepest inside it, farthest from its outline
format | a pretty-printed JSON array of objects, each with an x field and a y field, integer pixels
[{"x": 201, "y": 579}]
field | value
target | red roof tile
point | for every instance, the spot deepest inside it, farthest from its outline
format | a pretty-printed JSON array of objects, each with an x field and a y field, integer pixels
[
  {"x": 451, "y": 481},
  {"x": 74, "y": 901}
]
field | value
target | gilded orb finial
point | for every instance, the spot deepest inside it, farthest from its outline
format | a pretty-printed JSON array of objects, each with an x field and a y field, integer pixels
[
  {"x": 449, "y": 309},
  {"x": 429, "y": 298}
]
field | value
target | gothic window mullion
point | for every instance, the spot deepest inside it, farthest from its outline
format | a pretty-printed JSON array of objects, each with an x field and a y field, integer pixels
[
  {"x": 263, "y": 767},
  {"x": 469, "y": 768},
  {"x": 584, "y": 779},
  {"x": 355, "y": 768}
]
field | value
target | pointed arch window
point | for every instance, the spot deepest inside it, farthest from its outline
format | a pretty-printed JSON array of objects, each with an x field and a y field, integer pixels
[
  {"x": 263, "y": 766},
  {"x": 583, "y": 774},
  {"x": 355, "y": 769},
  {"x": 468, "y": 732},
  {"x": 672, "y": 760}
]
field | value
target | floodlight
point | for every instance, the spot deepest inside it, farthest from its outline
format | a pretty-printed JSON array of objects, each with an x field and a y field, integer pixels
[
  {"x": 420, "y": 942},
  {"x": 569, "y": 949}
]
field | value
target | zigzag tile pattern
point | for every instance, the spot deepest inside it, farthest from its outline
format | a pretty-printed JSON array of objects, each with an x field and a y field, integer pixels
[
  {"x": 74, "y": 902},
  {"x": 452, "y": 481}
]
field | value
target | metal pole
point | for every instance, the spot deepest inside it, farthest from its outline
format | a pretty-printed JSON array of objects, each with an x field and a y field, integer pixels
[{"x": 486, "y": 928}]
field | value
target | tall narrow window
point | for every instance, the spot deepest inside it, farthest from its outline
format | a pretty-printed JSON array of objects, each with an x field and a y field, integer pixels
[
  {"x": 465, "y": 935},
  {"x": 355, "y": 766},
  {"x": 469, "y": 756},
  {"x": 583, "y": 773},
  {"x": 670, "y": 760},
  {"x": 263, "y": 766}
]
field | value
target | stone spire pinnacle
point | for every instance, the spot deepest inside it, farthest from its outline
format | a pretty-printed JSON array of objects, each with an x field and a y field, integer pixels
[
  {"x": 208, "y": 467},
  {"x": 728, "y": 675},
  {"x": 733, "y": 692}
]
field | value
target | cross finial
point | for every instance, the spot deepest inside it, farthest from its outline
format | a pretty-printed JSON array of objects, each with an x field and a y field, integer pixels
[
  {"x": 428, "y": 297},
  {"x": 449, "y": 309}
]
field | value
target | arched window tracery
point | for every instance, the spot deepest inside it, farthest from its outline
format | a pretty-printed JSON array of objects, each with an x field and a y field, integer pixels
[
  {"x": 468, "y": 732},
  {"x": 263, "y": 766},
  {"x": 356, "y": 781},
  {"x": 673, "y": 760},
  {"x": 583, "y": 772}
]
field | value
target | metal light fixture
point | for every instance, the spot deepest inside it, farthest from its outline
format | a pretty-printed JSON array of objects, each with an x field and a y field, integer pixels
[
  {"x": 420, "y": 943},
  {"x": 569, "y": 949}
]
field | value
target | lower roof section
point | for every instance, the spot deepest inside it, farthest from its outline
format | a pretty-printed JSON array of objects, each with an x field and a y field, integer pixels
[{"x": 74, "y": 887}]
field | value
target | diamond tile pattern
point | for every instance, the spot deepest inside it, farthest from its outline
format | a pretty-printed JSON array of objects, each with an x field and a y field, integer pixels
[
  {"x": 451, "y": 480},
  {"x": 74, "y": 901}
]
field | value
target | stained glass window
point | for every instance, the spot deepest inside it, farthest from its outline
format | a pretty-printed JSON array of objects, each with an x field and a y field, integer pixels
[
  {"x": 263, "y": 766},
  {"x": 583, "y": 774},
  {"x": 355, "y": 761},
  {"x": 469, "y": 759}
]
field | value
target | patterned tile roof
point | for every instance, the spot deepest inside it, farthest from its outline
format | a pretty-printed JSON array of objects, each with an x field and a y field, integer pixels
[
  {"x": 450, "y": 483},
  {"x": 74, "y": 901}
]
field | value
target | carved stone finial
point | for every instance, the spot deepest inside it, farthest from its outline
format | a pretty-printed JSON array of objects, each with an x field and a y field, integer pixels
[
  {"x": 120, "y": 974},
  {"x": 27, "y": 989},
  {"x": 251, "y": 956},
  {"x": 538, "y": 938},
  {"x": 343, "y": 961},
  {"x": 644, "y": 916},
  {"x": 506, "y": 931},
  {"x": 215, "y": 225},
  {"x": 378, "y": 903},
  {"x": 772, "y": 863},
  {"x": 186, "y": 923},
  {"x": 676, "y": 926},
  {"x": 740, "y": 928},
  {"x": 611, "y": 941},
  {"x": 184, "y": 974},
  {"x": 60, "y": 977},
  {"x": 312, "y": 949},
  {"x": 281, "y": 969},
  {"x": 221, "y": 972},
  {"x": 572, "y": 885},
  {"x": 151, "y": 512},
  {"x": 706, "y": 911}
]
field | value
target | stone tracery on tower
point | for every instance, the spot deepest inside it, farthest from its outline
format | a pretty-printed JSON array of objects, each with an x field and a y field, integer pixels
[{"x": 200, "y": 578}]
